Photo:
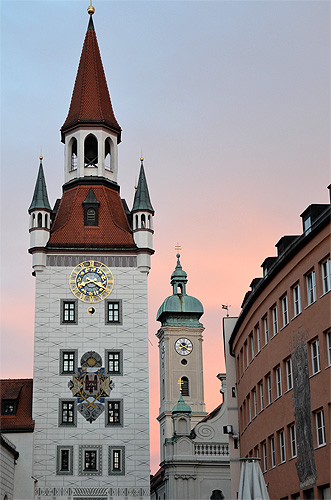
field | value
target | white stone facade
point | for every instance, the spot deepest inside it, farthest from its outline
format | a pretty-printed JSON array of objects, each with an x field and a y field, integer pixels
[{"x": 91, "y": 333}]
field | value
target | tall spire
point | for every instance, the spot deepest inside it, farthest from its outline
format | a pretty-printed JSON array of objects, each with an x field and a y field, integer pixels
[
  {"x": 40, "y": 197},
  {"x": 142, "y": 200},
  {"x": 90, "y": 102}
]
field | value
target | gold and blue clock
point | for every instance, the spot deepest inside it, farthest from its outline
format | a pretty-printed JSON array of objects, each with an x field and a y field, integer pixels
[{"x": 91, "y": 281}]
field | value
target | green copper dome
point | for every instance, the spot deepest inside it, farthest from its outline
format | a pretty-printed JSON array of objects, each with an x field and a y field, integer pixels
[
  {"x": 180, "y": 309},
  {"x": 181, "y": 406}
]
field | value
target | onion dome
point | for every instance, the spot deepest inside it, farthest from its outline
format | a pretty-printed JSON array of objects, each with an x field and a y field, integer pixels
[{"x": 180, "y": 309}]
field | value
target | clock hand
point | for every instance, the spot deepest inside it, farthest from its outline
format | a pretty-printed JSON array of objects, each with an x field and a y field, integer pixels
[{"x": 98, "y": 283}]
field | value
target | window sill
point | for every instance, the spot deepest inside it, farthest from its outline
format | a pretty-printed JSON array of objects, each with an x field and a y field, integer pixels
[
  {"x": 281, "y": 463},
  {"x": 310, "y": 304},
  {"x": 292, "y": 458},
  {"x": 278, "y": 397},
  {"x": 320, "y": 446},
  {"x": 288, "y": 390},
  {"x": 325, "y": 293},
  {"x": 283, "y": 327},
  {"x": 316, "y": 373},
  {"x": 294, "y": 317}
]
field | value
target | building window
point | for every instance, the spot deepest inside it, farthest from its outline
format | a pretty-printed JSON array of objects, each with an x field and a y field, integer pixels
[
  {"x": 293, "y": 441},
  {"x": 265, "y": 460},
  {"x": 185, "y": 386},
  {"x": 116, "y": 460},
  {"x": 90, "y": 459},
  {"x": 274, "y": 321},
  {"x": 272, "y": 452},
  {"x": 315, "y": 357},
  {"x": 258, "y": 338},
  {"x": 289, "y": 377},
  {"x": 249, "y": 409},
  {"x": 252, "y": 345},
  {"x": 297, "y": 300},
  {"x": 9, "y": 406},
  {"x": 255, "y": 403},
  {"x": 311, "y": 287},
  {"x": 282, "y": 446},
  {"x": 269, "y": 389},
  {"x": 266, "y": 330},
  {"x": 68, "y": 311},
  {"x": 115, "y": 413},
  {"x": 67, "y": 412},
  {"x": 113, "y": 311},
  {"x": 114, "y": 362},
  {"x": 64, "y": 460},
  {"x": 68, "y": 362},
  {"x": 320, "y": 428},
  {"x": 278, "y": 382},
  {"x": 261, "y": 396},
  {"x": 326, "y": 275},
  {"x": 247, "y": 354},
  {"x": 328, "y": 346},
  {"x": 285, "y": 310}
]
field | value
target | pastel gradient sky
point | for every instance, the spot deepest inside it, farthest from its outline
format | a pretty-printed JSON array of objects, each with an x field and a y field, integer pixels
[{"x": 229, "y": 101}]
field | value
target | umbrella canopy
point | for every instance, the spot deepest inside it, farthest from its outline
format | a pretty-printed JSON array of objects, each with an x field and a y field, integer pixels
[{"x": 251, "y": 484}]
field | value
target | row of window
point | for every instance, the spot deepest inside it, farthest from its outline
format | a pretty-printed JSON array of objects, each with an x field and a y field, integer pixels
[
  {"x": 323, "y": 492},
  {"x": 113, "y": 361},
  {"x": 290, "y": 307},
  {"x": 90, "y": 460},
  {"x": 68, "y": 413},
  {"x": 91, "y": 152},
  {"x": 277, "y": 447},
  {"x": 69, "y": 312},
  {"x": 272, "y": 385},
  {"x": 38, "y": 221}
]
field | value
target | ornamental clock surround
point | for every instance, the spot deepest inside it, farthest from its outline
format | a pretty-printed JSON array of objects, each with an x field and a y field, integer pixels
[{"x": 91, "y": 281}]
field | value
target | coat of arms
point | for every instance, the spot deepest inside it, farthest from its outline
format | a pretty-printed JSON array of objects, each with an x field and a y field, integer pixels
[{"x": 90, "y": 386}]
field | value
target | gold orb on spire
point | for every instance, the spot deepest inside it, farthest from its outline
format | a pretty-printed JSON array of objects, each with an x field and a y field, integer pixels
[
  {"x": 90, "y": 9},
  {"x": 40, "y": 157},
  {"x": 141, "y": 158}
]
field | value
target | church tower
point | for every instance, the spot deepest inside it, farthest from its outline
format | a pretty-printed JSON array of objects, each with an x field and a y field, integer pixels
[
  {"x": 90, "y": 402},
  {"x": 180, "y": 348}
]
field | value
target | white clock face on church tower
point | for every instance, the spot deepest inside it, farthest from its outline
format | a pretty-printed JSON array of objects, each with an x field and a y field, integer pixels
[{"x": 183, "y": 346}]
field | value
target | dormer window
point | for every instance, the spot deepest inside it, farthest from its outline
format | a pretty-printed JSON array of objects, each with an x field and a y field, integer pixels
[
  {"x": 91, "y": 151},
  {"x": 91, "y": 209},
  {"x": 307, "y": 225},
  {"x": 9, "y": 407}
]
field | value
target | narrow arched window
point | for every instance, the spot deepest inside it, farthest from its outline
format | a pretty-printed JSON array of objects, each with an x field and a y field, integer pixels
[
  {"x": 185, "y": 386},
  {"x": 46, "y": 220},
  {"x": 149, "y": 222},
  {"x": 33, "y": 220},
  {"x": 73, "y": 154},
  {"x": 40, "y": 220},
  {"x": 91, "y": 151},
  {"x": 136, "y": 218},
  {"x": 217, "y": 495},
  {"x": 179, "y": 288},
  {"x": 143, "y": 220},
  {"x": 108, "y": 154}
]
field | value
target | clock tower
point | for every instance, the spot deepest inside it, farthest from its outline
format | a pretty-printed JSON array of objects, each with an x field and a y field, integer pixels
[
  {"x": 91, "y": 257},
  {"x": 180, "y": 348}
]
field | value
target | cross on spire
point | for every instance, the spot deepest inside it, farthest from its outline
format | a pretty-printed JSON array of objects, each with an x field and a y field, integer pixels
[
  {"x": 178, "y": 247},
  {"x": 180, "y": 383}
]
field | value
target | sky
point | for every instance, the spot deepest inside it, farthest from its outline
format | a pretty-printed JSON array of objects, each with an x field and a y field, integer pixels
[{"x": 229, "y": 103}]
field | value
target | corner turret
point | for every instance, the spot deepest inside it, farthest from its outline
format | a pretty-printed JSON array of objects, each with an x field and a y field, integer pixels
[
  {"x": 142, "y": 221},
  {"x": 39, "y": 225}
]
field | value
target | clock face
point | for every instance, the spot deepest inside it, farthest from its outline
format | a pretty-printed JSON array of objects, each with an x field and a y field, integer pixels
[
  {"x": 183, "y": 346},
  {"x": 91, "y": 281}
]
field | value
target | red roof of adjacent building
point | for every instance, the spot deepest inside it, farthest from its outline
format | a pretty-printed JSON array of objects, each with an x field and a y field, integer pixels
[
  {"x": 69, "y": 231},
  {"x": 20, "y": 391},
  {"x": 90, "y": 102}
]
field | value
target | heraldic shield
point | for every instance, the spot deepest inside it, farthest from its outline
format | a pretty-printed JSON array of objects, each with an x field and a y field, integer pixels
[{"x": 90, "y": 386}]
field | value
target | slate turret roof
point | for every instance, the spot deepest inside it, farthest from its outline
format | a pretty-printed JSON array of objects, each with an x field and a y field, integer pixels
[{"x": 40, "y": 196}]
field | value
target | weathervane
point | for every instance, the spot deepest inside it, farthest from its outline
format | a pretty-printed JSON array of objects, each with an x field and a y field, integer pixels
[{"x": 226, "y": 306}]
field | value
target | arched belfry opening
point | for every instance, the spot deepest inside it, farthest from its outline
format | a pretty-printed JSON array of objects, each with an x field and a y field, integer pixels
[
  {"x": 185, "y": 386},
  {"x": 109, "y": 154},
  {"x": 73, "y": 154},
  {"x": 91, "y": 151}
]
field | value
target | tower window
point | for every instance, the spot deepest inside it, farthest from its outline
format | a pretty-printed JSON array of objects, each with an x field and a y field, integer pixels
[
  {"x": 91, "y": 151},
  {"x": 69, "y": 311},
  {"x": 143, "y": 220},
  {"x": 64, "y": 460},
  {"x": 116, "y": 460},
  {"x": 74, "y": 154},
  {"x": 115, "y": 413},
  {"x": 108, "y": 154},
  {"x": 185, "y": 386},
  {"x": 113, "y": 311},
  {"x": 114, "y": 362},
  {"x": 67, "y": 410},
  {"x": 40, "y": 220},
  {"x": 68, "y": 362},
  {"x": 91, "y": 216},
  {"x": 90, "y": 460}
]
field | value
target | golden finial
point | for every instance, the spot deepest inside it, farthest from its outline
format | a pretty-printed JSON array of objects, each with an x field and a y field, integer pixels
[
  {"x": 90, "y": 9},
  {"x": 178, "y": 247},
  {"x": 40, "y": 157},
  {"x": 141, "y": 158},
  {"x": 180, "y": 382}
]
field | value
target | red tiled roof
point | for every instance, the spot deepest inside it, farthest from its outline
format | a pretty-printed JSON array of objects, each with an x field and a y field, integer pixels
[
  {"x": 22, "y": 389},
  {"x": 90, "y": 102},
  {"x": 69, "y": 231}
]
